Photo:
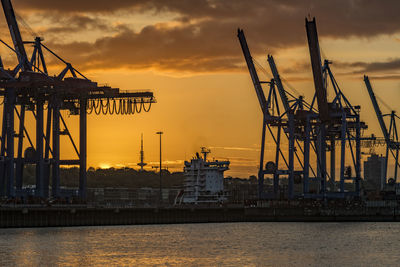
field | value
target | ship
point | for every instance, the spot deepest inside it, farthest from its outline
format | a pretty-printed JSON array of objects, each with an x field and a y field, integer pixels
[{"x": 204, "y": 180}]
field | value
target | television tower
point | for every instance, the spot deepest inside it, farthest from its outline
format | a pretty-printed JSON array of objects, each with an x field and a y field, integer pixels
[{"x": 141, "y": 164}]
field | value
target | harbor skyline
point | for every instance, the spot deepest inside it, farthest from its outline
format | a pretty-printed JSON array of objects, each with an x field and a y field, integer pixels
[
  {"x": 199, "y": 133},
  {"x": 189, "y": 56}
]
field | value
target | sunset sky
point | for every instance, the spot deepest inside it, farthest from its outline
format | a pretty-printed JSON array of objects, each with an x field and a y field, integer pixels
[{"x": 188, "y": 54}]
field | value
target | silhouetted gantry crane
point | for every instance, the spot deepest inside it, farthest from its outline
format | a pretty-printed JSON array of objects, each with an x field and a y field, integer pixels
[
  {"x": 30, "y": 88},
  {"x": 390, "y": 135},
  {"x": 310, "y": 131}
]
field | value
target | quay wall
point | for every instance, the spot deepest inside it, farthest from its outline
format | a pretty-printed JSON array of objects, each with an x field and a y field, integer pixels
[{"x": 83, "y": 216}]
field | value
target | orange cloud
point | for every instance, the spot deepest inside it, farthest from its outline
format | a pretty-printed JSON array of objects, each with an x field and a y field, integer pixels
[{"x": 201, "y": 36}]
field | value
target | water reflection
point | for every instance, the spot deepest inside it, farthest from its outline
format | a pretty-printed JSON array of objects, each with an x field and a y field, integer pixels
[{"x": 234, "y": 244}]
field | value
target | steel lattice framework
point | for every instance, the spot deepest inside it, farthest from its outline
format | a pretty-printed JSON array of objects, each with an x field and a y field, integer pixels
[
  {"x": 311, "y": 130},
  {"x": 29, "y": 87},
  {"x": 390, "y": 136}
]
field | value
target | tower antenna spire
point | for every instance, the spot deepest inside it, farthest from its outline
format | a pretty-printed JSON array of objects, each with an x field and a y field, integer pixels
[{"x": 141, "y": 163}]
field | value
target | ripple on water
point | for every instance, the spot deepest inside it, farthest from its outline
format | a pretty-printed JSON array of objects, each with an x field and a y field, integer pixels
[{"x": 228, "y": 244}]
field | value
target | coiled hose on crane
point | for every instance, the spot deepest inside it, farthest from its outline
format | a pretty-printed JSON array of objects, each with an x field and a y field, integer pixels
[{"x": 117, "y": 106}]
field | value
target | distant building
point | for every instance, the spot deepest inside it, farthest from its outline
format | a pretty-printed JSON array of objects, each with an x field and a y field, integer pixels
[
  {"x": 238, "y": 190},
  {"x": 374, "y": 175},
  {"x": 137, "y": 197},
  {"x": 204, "y": 180}
]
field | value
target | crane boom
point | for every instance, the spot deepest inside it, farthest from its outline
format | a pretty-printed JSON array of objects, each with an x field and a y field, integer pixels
[
  {"x": 253, "y": 73},
  {"x": 315, "y": 55},
  {"x": 15, "y": 34},
  {"x": 278, "y": 83},
  {"x": 377, "y": 109}
]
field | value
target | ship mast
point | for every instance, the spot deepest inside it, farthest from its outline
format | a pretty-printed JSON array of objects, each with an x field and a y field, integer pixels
[{"x": 205, "y": 151}]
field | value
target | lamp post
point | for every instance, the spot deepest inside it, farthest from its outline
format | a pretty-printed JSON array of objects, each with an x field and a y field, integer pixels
[{"x": 160, "y": 200}]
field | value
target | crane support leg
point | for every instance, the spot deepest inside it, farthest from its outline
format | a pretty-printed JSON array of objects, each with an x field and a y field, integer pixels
[
  {"x": 56, "y": 150},
  {"x": 47, "y": 152},
  {"x": 9, "y": 103},
  {"x": 333, "y": 161},
  {"x": 276, "y": 175},
  {"x": 20, "y": 163},
  {"x": 342, "y": 152},
  {"x": 39, "y": 149},
  {"x": 2, "y": 153},
  {"x": 385, "y": 168},
  {"x": 261, "y": 170},
  {"x": 291, "y": 155},
  {"x": 358, "y": 155},
  {"x": 396, "y": 165},
  {"x": 321, "y": 157},
  {"x": 306, "y": 157},
  {"x": 82, "y": 148}
]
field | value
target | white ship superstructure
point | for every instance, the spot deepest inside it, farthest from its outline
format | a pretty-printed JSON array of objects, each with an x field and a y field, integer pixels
[{"x": 204, "y": 180}]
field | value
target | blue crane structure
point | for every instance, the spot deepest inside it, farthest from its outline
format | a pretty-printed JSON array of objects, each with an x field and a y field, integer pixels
[
  {"x": 29, "y": 87},
  {"x": 310, "y": 130},
  {"x": 339, "y": 123},
  {"x": 281, "y": 116},
  {"x": 390, "y": 135}
]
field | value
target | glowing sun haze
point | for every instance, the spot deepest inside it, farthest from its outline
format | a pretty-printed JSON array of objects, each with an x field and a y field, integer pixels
[{"x": 188, "y": 54}]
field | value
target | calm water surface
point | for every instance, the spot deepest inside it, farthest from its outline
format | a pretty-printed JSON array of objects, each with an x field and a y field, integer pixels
[{"x": 230, "y": 244}]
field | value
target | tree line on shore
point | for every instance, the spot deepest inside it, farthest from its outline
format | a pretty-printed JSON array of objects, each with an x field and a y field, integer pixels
[{"x": 112, "y": 177}]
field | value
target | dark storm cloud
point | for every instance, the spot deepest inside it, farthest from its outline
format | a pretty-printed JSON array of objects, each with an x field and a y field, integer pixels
[
  {"x": 173, "y": 49},
  {"x": 389, "y": 65},
  {"x": 205, "y": 37},
  {"x": 385, "y": 77},
  {"x": 75, "y": 23},
  {"x": 339, "y": 17},
  {"x": 75, "y": 5}
]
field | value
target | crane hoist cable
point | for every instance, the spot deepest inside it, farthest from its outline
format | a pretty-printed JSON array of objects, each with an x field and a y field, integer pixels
[
  {"x": 323, "y": 54},
  {"x": 144, "y": 107},
  {"x": 25, "y": 25},
  {"x": 383, "y": 103},
  {"x": 261, "y": 68},
  {"x": 140, "y": 110},
  {"x": 123, "y": 107},
  {"x": 290, "y": 87}
]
